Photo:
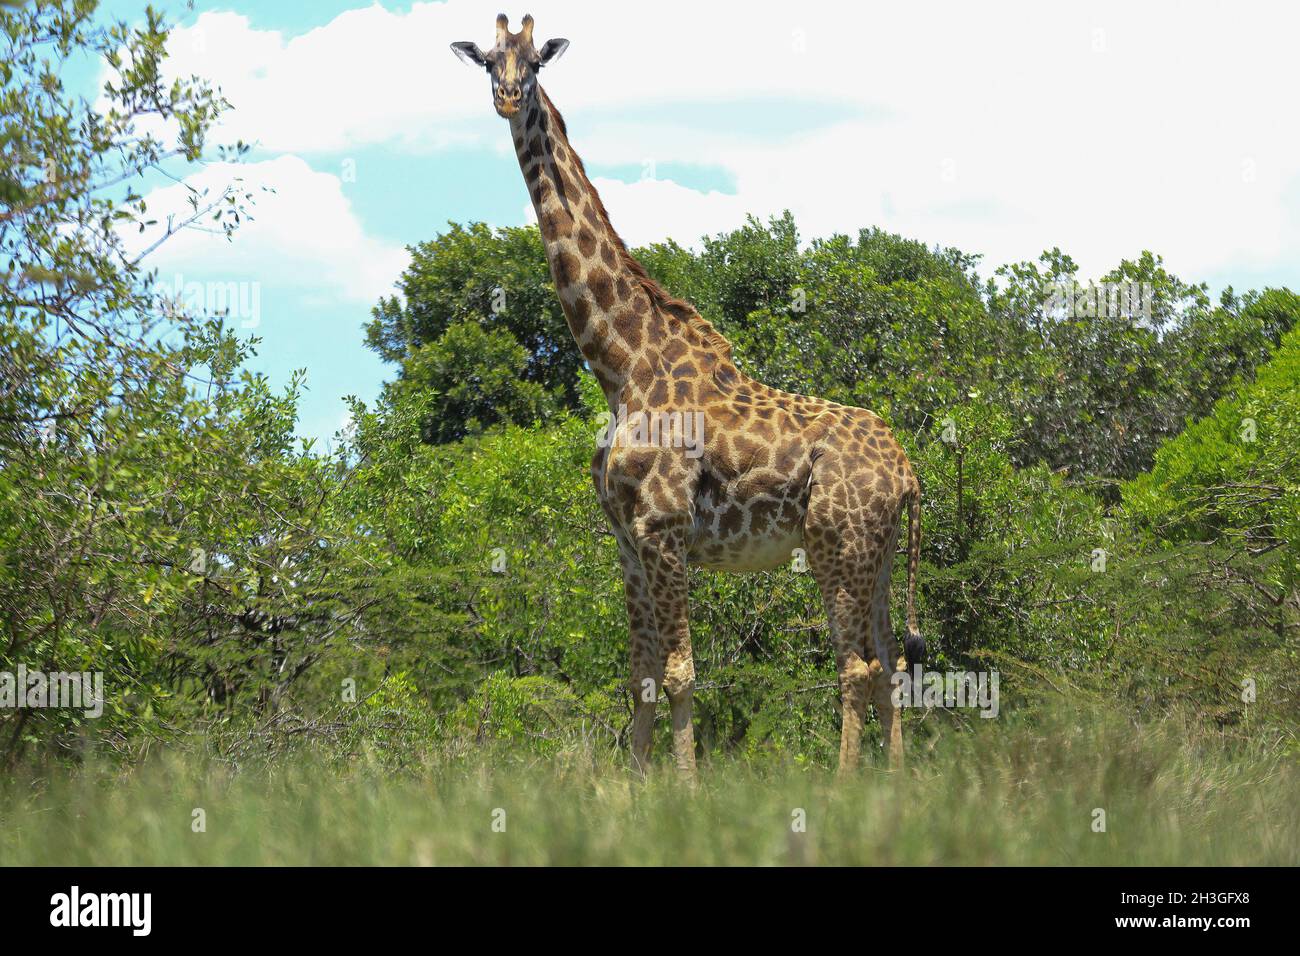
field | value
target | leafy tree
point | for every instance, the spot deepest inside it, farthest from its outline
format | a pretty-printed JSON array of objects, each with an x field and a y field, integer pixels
[
  {"x": 160, "y": 522},
  {"x": 500, "y": 282},
  {"x": 469, "y": 379}
]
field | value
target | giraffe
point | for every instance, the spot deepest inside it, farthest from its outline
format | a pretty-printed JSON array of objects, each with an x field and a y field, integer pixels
[{"x": 771, "y": 472}]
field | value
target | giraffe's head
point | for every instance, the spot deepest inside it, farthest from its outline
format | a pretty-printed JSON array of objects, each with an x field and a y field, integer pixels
[{"x": 512, "y": 63}]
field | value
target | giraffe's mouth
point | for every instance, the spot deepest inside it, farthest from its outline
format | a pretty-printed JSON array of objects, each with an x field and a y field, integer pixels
[{"x": 507, "y": 108}]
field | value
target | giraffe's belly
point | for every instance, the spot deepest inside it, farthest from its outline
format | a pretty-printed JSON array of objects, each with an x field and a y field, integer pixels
[
  {"x": 756, "y": 533},
  {"x": 764, "y": 555}
]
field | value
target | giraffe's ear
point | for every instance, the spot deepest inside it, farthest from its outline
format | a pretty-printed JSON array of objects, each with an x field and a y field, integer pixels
[
  {"x": 470, "y": 53},
  {"x": 551, "y": 51}
]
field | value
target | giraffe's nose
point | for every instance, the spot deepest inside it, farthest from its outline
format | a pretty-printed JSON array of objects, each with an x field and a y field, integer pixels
[{"x": 508, "y": 99}]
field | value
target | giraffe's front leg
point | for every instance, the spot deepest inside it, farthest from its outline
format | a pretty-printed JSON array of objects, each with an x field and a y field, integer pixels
[
  {"x": 662, "y": 548},
  {"x": 643, "y": 648}
]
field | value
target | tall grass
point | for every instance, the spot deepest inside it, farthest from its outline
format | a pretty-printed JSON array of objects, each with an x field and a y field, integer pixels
[{"x": 1019, "y": 792}]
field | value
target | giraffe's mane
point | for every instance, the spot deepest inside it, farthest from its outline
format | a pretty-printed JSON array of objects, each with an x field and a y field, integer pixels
[{"x": 657, "y": 293}]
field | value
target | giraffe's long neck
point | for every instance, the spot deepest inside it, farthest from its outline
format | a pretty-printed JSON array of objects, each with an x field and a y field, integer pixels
[{"x": 599, "y": 288}]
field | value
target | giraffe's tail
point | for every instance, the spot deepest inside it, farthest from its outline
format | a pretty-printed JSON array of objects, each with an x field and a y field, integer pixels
[{"x": 914, "y": 643}]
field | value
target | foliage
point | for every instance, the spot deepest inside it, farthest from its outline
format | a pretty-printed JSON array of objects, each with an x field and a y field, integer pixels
[
  {"x": 159, "y": 520},
  {"x": 469, "y": 379},
  {"x": 478, "y": 306}
]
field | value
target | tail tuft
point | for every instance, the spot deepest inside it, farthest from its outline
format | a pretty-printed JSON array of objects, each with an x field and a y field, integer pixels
[{"x": 914, "y": 651}]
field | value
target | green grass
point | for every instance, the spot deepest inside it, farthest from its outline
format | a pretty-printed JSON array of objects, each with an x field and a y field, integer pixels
[{"x": 1015, "y": 793}]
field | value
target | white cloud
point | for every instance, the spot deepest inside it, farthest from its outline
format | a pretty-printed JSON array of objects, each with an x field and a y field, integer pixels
[
  {"x": 368, "y": 76},
  {"x": 303, "y": 235},
  {"x": 1103, "y": 130}
]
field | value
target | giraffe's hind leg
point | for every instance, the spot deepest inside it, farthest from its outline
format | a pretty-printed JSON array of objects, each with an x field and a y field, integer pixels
[
  {"x": 887, "y": 656},
  {"x": 852, "y": 662},
  {"x": 846, "y": 553}
]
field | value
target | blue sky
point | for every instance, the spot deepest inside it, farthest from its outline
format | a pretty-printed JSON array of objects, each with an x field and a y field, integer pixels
[{"x": 1003, "y": 131}]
